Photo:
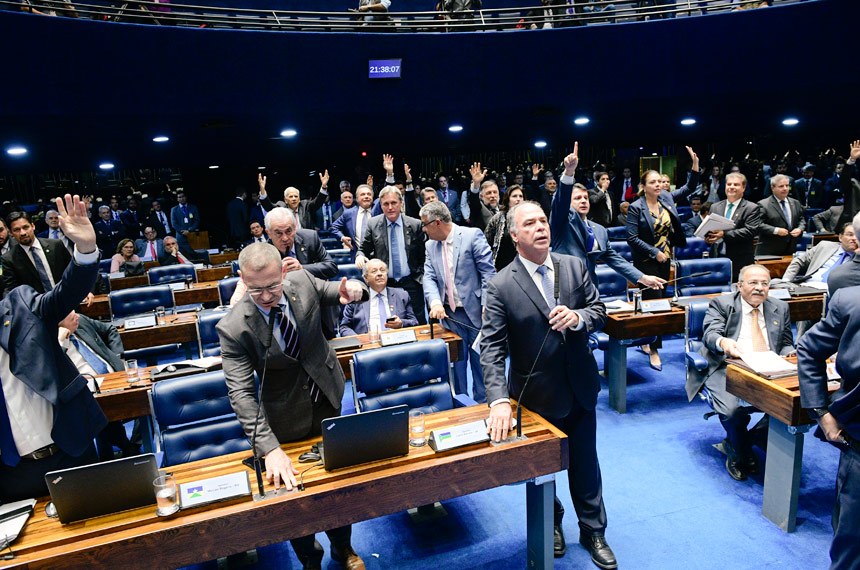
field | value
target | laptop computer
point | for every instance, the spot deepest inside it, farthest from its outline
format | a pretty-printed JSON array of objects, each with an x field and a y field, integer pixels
[
  {"x": 103, "y": 488},
  {"x": 368, "y": 436}
]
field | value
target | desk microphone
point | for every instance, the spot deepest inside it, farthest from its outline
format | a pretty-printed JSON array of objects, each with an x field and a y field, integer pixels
[
  {"x": 690, "y": 276},
  {"x": 525, "y": 385},
  {"x": 258, "y": 470}
]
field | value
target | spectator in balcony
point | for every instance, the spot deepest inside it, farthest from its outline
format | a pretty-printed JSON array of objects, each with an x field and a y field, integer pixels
[
  {"x": 550, "y": 14},
  {"x": 374, "y": 11},
  {"x": 124, "y": 253}
]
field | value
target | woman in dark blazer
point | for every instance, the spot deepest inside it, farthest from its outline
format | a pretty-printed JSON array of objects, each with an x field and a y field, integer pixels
[{"x": 653, "y": 230}]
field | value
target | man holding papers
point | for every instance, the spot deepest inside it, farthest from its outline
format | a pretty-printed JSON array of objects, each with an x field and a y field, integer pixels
[
  {"x": 747, "y": 321},
  {"x": 735, "y": 243}
]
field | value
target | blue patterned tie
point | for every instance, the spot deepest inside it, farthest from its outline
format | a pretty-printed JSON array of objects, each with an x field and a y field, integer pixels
[
  {"x": 93, "y": 359},
  {"x": 785, "y": 213},
  {"x": 589, "y": 238},
  {"x": 394, "y": 244},
  {"x": 380, "y": 303},
  {"x": 546, "y": 283},
  {"x": 846, "y": 255},
  {"x": 40, "y": 269},
  {"x": 55, "y": 234},
  {"x": 8, "y": 450},
  {"x": 290, "y": 336}
]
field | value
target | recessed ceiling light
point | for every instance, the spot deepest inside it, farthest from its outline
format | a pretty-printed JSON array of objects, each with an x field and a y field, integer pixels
[
  {"x": 213, "y": 167},
  {"x": 540, "y": 144},
  {"x": 261, "y": 168},
  {"x": 160, "y": 139},
  {"x": 790, "y": 122},
  {"x": 289, "y": 133},
  {"x": 653, "y": 154},
  {"x": 688, "y": 121},
  {"x": 455, "y": 128},
  {"x": 581, "y": 121},
  {"x": 16, "y": 151},
  {"x": 106, "y": 165}
]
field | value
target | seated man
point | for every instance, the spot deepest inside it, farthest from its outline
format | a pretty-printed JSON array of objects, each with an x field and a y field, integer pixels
[
  {"x": 150, "y": 247},
  {"x": 747, "y": 321},
  {"x": 815, "y": 263},
  {"x": 700, "y": 212},
  {"x": 825, "y": 222},
  {"x": 175, "y": 255},
  {"x": 258, "y": 235},
  {"x": 388, "y": 306}
]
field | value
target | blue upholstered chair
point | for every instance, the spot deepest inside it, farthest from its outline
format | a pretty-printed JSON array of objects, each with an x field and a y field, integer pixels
[
  {"x": 350, "y": 271},
  {"x": 172, "y": 274},
  {"x": 694, "y": 249},
  {"x": 684, "y": 213},
  {"x": 617, "y": 234},
  {"x": 341, "y": 256},
  {"x": 104, "y": 265},
  {"x": 210, "y": 344},
  {"x": 226, "y": 288},
  {"x": 415, "y": 374},
  {"x": 694, "y": 329},
  {"x": 719, "y": 280},
  {"x": 330, "y": 243},
  {"x": 127, "y": 302},
  {"x": 623, "y": 249},
  {"x": 804, "y": 242},
  {"x": 195, "y": 419},
  {"x": 235, "y": 267}
]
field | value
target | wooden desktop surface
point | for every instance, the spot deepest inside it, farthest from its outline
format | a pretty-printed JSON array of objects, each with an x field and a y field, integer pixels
[
  {"x": 205, "y": 292},
  {"x": 139, "y": 538}
]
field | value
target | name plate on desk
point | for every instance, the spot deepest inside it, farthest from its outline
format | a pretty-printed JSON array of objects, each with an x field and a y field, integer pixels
[
  {"x": 176, "y": 286},
  {"x": 656, "y": 306},
  {"x": 139, "y": 322},
  {"x": 397, "y": 337},
  {"x": 116, "y": 275},
  {"x": 444, "y": 439},
  {"x": 779, "y": 294},
  {"x": 213, "y": 490}
]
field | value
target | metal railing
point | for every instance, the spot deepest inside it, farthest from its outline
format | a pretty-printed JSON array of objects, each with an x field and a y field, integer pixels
[{"x": 523, "y": 17}]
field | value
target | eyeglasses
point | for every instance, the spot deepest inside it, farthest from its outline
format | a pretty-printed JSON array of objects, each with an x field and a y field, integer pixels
[
  {"x": 272, "y": 289},
  {"x": 431, "y": 222},
  {"x": 758, "y": 283}
]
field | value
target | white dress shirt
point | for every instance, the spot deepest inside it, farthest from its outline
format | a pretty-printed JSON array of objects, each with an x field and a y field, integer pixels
[{"x": 41, "y": 253}]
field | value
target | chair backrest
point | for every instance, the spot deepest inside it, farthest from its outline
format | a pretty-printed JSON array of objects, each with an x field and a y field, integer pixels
[
  {"x": 694, "y": 249},
  {"x": 341, "y": 256},
  {"x": 330, "y": 243},
  {"x": 623, "y": 249},
  {"x": 718, "y": 280},
  {"x": 226, "y": 288},
  {"x": 610, "y": 284},
  {"x": 104, "y": 265},
  {"x": 178, "y": 273},
  {"x": 804, "y": 242},
  {"x": 695, "y": 320},
  {"x": 618, "y": 233},
  {"x": 235, "y": 267},
  {"x": 203, "y": 256},
  {"x": 350, "y": 271},
  {"x": 195, "y": 418},
  {"x": 684, "y": 213},
  {"x": 210, "y": 344},
  {"x": 415, "y": 374},
  {"x": 137, "y": 300}
]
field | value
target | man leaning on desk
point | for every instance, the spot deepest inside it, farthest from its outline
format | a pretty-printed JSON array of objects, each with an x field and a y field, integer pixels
[
  {"x": 48, "y": 417},
  {"x": 746, "y": 321},
  {"x": 303, "y": 382}
]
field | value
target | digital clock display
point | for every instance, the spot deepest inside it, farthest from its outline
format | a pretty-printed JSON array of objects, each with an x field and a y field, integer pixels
[{"x": 383, "y": 68}]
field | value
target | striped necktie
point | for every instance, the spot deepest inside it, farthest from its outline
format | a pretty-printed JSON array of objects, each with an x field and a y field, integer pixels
[{"x": 93, "y": 359}]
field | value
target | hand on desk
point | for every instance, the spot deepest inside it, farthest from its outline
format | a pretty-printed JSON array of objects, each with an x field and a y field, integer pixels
[
  {"x": 499, "y": 422},
  {"x": 730, "y": 347},
  {"x": 437, "y": 312},
  {"x": 279, "y": 469}
]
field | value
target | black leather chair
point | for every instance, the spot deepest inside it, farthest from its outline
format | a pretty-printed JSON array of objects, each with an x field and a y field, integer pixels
[{"x": 226, "y": 288}]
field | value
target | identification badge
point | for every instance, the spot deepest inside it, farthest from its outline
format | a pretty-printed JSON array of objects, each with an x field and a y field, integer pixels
[{"x": 186, "y": 220}]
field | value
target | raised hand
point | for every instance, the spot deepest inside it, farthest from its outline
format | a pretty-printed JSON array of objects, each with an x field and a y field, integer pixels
[
  {"x": 324, "y": 178},
  {"x": 75, "y": 224},
  {"x": 536, "y": 168},
  {"x": 261, "y": 182},
  {"x": 854, "y": 152},
  {"x": 477, "y": 174},
  {"x": 388, "y": 164},
  {"x": 370, "y": 180},
  {"x": 407, "y": 172},
  {"x": 572, "y": 160},
  {"x": 694, "y": 157}
]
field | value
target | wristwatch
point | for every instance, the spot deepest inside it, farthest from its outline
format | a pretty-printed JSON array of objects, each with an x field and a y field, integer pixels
[{"x": 817, "y": 413}]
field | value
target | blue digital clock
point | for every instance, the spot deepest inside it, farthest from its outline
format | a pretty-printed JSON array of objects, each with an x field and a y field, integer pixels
[{"x": 383, "y": 68}]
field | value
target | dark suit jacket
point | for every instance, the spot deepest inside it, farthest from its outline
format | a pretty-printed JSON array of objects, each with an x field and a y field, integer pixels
[
  {"x": 516, "y": 321},
  {"x": 133, "y": 223},
  {"x": 724, "y": 320},
  {"x": 356, "y": 315},
  {"x": 375, "y": 244},
  {"x": 772, "y": 218},
  {"x": 599, "y": 211},
  {"x": 826, "y": 221},
  {"x": 747, "y": 218},
  {"x": 103, "y": 339},
  {"x": 177, "y": 218},
  {"x": 189, "y": 254},
  {"x": 108, "y": 236},
  {"x": 156, "y": 224},
  {"x": 287, "y": 408},
  {"x": 313, "y": 256},
  {"x": 18, "y": 268},
  {"x": 305, "y": 212},
  {"x": 237, "y": 219},
  {"x": 640, "y": 228},
  {"x": 812, "y": 192},
  {"x": 846, "y": 275},
  {"x": 37, "y": 359}
]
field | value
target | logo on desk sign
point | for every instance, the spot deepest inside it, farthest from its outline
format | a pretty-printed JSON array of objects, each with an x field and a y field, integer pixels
[
  {"x": 194, "y": 492},
  {"x": 444, "y": 435}
]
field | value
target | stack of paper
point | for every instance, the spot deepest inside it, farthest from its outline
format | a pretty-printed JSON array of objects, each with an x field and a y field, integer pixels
[
  {"x": 769, "y": 363},
  {"x": 714, "y": 223}
]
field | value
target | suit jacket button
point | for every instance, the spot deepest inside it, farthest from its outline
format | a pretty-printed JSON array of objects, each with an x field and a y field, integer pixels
[{"x": 304, "y": 387}]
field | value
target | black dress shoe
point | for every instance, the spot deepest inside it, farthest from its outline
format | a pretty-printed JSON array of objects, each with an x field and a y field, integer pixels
[
  {"x": 347, "y": 558},
  {"x": 735, "y": 470},
  {"x": 601, "y": 554},
  {"x": 559, "y": 546},
  {"x": 751, "y": 463}
]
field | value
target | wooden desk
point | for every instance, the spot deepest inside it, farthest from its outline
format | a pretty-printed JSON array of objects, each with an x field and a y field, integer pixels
[
  {"x": 776, "y": 267},
  {"x": 225, "y": 257},
  {"x": 818, "y": 238},
  {"x": 625, "y": 326},
  {"x": 780, "y": 399},
  {"x": 140, "y": 539},
  {"x": 128, "y": 282},
  {"x": 179, "y": 329},
  {"x": 214, "y": 273},
  {"x": 199, "y": 293}
]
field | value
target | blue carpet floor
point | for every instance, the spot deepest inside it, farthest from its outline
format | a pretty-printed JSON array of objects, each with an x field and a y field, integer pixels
[{"x": 670, "y": 502}]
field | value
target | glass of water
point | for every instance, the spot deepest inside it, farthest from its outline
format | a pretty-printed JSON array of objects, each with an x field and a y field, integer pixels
[
  {"x": 132, "y": 371},
  {"x": 166, "y": 497},
  {"x": 416, "y": 428},
  {"x": 373, "y": 329},
  {"x": 159, "y": 315}
]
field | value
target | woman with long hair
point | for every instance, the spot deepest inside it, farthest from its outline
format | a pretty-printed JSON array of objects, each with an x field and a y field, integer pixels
[
  {"x": 124, "y": 252},
  {"x": 497, "y": 233}
]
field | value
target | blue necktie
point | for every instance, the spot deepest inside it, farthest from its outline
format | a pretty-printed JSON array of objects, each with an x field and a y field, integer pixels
[
  {"x": 8, "y": 450},
  {"x": 785, "y": 213},
  {"x": 846, "y": 255},
  {"x": 394, "y": 244},
  {"x": 380, "y": 303},
  {"x": 55, "y": 234},
  {"x": 546, "y": 283},
  {"x": 589, "y": 237},
  {"x": 40, "y": 269},
  {"x": 93, "y": 359}
]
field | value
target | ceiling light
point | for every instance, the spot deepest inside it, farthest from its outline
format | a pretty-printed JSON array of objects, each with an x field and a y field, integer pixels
[
  {"x": 653, "y": 154},
  {"x": 689, "y": 121},
  {"x": 581, "y": 121},
  {"x": 106, "y": 166},
  {"x": 540, "y": 144},
  {"x": 160, "y": 139},
  {"x": 790, "y": 122},
  {"x": 289, "y": 133},
  {"x": 261, "y": 168},
  {"x": 213, "y": 167},
  {"x": 455, "y": 128},
  {"x": 16, "y": 151}
]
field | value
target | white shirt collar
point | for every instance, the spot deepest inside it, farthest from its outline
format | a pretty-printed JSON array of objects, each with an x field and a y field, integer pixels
[
  {"x": 532, "y": 267},
  {"x": 746, "y": 308}
]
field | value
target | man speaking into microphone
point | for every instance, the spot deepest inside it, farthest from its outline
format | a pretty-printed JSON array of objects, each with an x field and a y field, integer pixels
[
  {"x": 302, "y": 380},
  {"x": 539, "y": 311}
]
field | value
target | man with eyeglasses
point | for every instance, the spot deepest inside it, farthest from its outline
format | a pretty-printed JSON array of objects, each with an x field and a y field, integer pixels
[
  {"x": 151, "y": 247},
  {"x": 388, "y": 307},
  {"x": 747, "y": 321},
  {"x": 304, "y": 383}
]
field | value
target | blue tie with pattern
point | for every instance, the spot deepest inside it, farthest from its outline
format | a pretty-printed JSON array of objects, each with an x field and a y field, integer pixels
[
  {"x": 394, "y": 244},
  {"x": 589, "y": 237},
  {"x": 40, "y": 269},
  {"x": 8, "y": 450},
  {"x": 380, "y": 303},
  {"x": 93, "y": 359},
  {"x": 846, "y": 255},
  {"x": 547, "y": 285}
]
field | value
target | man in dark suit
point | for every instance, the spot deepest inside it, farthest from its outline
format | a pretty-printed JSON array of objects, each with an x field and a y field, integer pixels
[
  {"x": 159, "y": 220},
  {"x": 603, "y": 209},
  {"x": 450, "y": 198},
  {"x": 811, "y": 189},
  {"x": 132, "y": 219},
  {"x": 700, "y": 211},
  {"x": 541, "y": 193},
  {"x": 304, "y": 383},
  {"x": 482, "y": 198},
  {"x": 736, "y": 243},
  {"x": 175, "y": 254},
  {"x": 52, "y": 218},
  {"x": 109, "y": 232},
  {"x": 782, "y": 220},
  {"x": 837, "y": 333},
  {"x": 258, "y": 234},
  {"x": 747, "y": 321},
  {"x": 5, "y": 242},
  {"x": 385, "y": 303},
  {"x": 825, "y": 222},
  {"x": 352, "y": 225},
  {"x": 62, "y": 417},
  {"x": 37, "y": 262},
  {"x": 304, "y": 210},
  {"x": 547, "y": 342},
  {"x": 624, "y": 187},
  {"x": 184, "y": 217},
  {"x": 237, "y": 218},
  {"x": 151, "y": 247},
  {"x": 398, "y": 240},
  {"x": 849, "y": 185},
  {"x": 848, "y": 273}
]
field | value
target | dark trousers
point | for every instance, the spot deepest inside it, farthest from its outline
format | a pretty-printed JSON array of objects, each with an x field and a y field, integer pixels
[
  {"x": 306, "y": 547},
  {"x": 583, "y": 473},
  {"x": 27, "y": 479},
  {"x": 653, "y": 267},
  {"x": 734, "y": 417},
  {"x": 845, "y": 549},
  {"x": 416, "y": 295}
]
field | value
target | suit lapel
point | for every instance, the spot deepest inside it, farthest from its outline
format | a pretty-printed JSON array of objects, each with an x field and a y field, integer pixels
[
  {"x": 301, "y": 249},
  {"x": 6, "y": 326},
  {"x": 524, "y": 280},
  {"x": 773, "y": 326},
  {"x": 458, "y": 244}
]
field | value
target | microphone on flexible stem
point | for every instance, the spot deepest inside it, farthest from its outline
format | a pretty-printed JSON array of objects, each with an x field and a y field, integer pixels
[
  {"x": 432, "y": 322},
  {"x": 258, "y": 469},
  {"x": 520, "y": 435}
]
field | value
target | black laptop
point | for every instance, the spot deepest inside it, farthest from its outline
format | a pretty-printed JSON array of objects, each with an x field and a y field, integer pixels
[
  {"x": 103, "y": 488},
  {"x": 368, "y": 436}
]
